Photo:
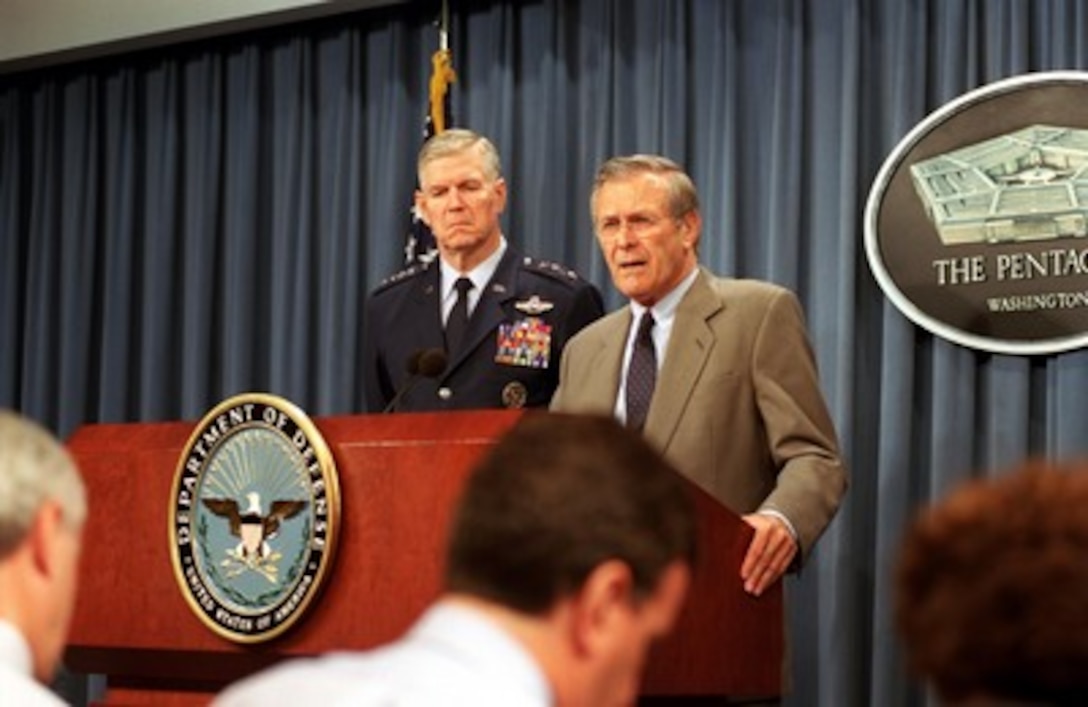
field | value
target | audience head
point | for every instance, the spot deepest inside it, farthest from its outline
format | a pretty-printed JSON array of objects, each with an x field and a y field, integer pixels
[
  {"x": 42, "y": 510},
  {"x": 576, "y": 521},
  {"x": 993, "y": 589},
  {"x": 645, "y": 213}
]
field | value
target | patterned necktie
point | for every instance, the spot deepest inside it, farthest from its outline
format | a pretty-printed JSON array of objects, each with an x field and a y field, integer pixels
[
  {"x": 458, "y": 319},
  {"x": 641, "y": 373}
]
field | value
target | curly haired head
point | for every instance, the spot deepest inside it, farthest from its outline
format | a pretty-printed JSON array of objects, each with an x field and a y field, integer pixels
[{"x": 992, "y": 584}]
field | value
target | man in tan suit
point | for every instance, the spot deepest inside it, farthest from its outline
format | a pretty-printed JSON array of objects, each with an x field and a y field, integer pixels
[{"x": 733, "y": 398}]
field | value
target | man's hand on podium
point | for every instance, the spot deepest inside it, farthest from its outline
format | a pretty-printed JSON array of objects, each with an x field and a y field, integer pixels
[{"x": 770, "y": 553}]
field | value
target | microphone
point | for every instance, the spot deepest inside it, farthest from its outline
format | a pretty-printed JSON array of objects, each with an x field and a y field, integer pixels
[
  {"x": 412, "y": 365},
  {"x": 432, "y": 363},
  {"x": 426, "y": 363}
]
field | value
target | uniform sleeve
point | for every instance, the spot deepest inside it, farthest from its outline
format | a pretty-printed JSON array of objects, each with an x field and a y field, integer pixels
[
  {"x": 377, "y": 387},
  {"x": 586, "y": 307}
]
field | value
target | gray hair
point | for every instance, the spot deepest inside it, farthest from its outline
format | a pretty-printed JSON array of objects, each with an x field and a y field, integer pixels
[
  {"x": 683, "y": 197},
  {"x": 34, "y": 469},
  {"x": 458, "y": 140}
]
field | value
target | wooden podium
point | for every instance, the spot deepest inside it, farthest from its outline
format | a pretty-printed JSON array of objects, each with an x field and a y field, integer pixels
[{"x": 400, "y": 476}]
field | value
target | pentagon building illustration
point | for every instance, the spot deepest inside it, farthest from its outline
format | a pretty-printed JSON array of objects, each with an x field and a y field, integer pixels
[{"x": 1031, "y": 184}]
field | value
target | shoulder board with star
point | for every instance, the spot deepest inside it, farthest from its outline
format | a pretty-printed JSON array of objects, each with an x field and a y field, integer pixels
[
  {"x": 402, "y": 275},
  {"x": 551, "y": 269}
]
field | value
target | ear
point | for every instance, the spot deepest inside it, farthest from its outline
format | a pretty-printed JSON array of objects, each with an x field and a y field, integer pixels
[
  {"x": 669, "y": 595},
  {"x": 44, "y": 531},
  {"x": 420, "y": 202},
  {"x": 500, "y": 194},
  {"x": 692, "y": 223},
  {"x": 605, "y": 597}
]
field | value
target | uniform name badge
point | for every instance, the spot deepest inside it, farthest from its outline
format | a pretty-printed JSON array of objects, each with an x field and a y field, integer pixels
[{"x": 526, "y": 343}]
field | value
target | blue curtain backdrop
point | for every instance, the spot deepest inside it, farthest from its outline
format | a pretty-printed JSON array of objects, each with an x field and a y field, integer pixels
[{"x": 190, "y": 222}]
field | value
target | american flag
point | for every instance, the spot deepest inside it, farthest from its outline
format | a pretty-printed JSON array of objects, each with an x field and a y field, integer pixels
[{"x": 420, "y": 246}]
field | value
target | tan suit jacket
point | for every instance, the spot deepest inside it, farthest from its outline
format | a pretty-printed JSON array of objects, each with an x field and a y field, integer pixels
[{"x": 737, "y": 406}]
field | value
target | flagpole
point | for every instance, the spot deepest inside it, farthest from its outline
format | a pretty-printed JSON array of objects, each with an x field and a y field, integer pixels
[
  {"x": 420, "y": 246},
  {"x": 444, "y": 27},
  {"x": 442, "y": 75}
]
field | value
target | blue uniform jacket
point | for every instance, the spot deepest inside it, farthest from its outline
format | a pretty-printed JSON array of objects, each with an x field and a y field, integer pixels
[{"x": 510, "y": 355}]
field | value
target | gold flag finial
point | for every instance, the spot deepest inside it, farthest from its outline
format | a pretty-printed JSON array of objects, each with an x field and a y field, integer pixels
[{"x": 441, "y": 78}]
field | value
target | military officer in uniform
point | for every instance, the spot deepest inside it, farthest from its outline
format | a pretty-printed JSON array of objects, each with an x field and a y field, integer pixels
[{"x": 480, "y": 326}]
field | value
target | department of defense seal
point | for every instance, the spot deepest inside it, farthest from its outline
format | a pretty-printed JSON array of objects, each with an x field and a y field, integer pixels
[{"x": 254, "y": 517}]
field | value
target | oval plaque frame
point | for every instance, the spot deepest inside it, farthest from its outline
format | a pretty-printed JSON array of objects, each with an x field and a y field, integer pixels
[
  {"x": 992, "y": 257},
  {"x": 254, "y": 517}
]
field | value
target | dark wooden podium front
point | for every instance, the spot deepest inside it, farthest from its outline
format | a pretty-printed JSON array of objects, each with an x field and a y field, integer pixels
[{"x": 400, "y": 476}]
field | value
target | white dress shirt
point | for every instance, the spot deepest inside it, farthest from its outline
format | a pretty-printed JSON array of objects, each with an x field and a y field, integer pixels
[
  {"x": 480, "y": 276},
  {"x": 18, "y": 687},
  {"x": 452, "y": 657}
]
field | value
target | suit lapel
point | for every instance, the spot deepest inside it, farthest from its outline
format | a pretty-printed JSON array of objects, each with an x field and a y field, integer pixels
[
  {"x": 689, "y": 348},
  {"x": 604, "y": 367}
]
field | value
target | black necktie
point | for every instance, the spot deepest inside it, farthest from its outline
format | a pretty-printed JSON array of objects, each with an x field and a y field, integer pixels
[
  {"x": 641, "y": 373},
  {"x": 458, "y": 320}
]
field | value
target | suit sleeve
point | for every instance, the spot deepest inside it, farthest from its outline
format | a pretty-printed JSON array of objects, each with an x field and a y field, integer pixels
[{"x": 811, "y": 478}]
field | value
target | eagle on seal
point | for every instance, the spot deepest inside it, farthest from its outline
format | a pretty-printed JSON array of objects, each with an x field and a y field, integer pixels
[{"x": 252, "y": 527}]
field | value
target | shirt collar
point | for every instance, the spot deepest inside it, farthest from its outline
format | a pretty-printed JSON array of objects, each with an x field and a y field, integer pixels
[
  {"x": 480, "y": 275},
  {"x": 473, "y": 638},
  {"x": 14, "y": 649},
  {"x": 665, "y": 308}
]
